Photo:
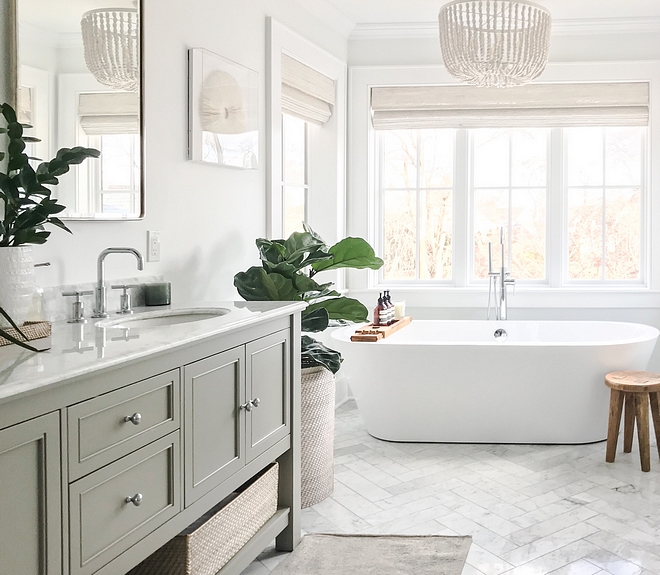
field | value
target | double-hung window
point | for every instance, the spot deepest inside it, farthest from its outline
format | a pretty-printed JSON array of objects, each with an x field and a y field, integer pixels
[{"x": 561, "y": 169}]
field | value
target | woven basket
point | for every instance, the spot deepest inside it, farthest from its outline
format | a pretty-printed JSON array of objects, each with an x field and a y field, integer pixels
[
  {"x": 32, "y": 330},
  {"x": 208, "y": 544},
  {"x": 317, "y": 429}
]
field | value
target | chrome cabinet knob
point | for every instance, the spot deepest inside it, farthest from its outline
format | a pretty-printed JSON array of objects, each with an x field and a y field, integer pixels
[
  {"x": 135, "y": 500},
  {"x": 135, "y": 419},
  {"x": 255, "y": 402},
  {"x": 247, "y": 406}
]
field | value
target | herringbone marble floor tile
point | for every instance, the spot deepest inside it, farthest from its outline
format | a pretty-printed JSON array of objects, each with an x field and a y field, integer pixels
[{"x": 530, "y": 509}]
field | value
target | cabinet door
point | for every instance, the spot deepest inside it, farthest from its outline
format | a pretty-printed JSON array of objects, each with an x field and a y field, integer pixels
[
  {"x": 214, "y": 421},
  {"x": 116, "y": 506},
  {"x": 268, "y": 380},
  {"x": 30, "y": 498}
]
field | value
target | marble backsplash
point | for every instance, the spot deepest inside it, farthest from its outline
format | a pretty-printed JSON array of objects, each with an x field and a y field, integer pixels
[{"x": 55, "y": 307}]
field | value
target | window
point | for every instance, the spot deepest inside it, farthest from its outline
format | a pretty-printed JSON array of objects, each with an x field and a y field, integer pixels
[
  {"x": 604, "y": 203},
  {"x": 115, "y": 178},
  {"x": 417, "y": 176},
  {"x": 586, "y": 183},
  {"x": 295, "y": 184}
]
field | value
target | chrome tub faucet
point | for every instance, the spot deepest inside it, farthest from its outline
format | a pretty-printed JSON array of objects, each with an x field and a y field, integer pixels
[
  {"x": 100, "y": 309},
  {"x": 498, "y": 283}
]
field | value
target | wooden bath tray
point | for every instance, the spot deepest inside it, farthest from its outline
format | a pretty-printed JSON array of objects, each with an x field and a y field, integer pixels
[{"x": 373, "y": 332}]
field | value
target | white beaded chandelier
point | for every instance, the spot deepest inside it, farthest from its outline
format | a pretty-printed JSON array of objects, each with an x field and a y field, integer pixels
[
  {"x": 110, "y": 38},
  {"x": 496, "y": 43}
]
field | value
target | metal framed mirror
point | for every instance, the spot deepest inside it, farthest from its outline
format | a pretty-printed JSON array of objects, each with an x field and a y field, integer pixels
[{"x": 78, "y": 80}]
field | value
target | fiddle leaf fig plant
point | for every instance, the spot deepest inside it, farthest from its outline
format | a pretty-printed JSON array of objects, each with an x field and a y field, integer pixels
[
  {"x": 287, "y": 272},
  {"x": 26, "y": 201}
]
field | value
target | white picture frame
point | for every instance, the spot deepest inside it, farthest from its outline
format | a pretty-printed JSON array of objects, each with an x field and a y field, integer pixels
[{"x": 223, "y": 111}]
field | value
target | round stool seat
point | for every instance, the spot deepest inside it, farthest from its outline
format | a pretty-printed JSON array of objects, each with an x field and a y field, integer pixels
[{"x": 633, "y": 381}]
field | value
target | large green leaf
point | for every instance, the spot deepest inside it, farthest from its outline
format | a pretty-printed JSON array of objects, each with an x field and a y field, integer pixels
[
  {"x": 350, "y": 253},
  {"x": 345, "y": 308},
  {"x": 300, "y": 243},
  {"x": 315, "y": 320},
  {"x": 258, "y": 285},
  {"x": 273, "y": 252},
  {"x": 315, "y": 353}
]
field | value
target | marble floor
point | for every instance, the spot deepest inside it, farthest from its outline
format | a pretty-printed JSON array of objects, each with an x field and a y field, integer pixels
[{"x": 531, "y": 510}]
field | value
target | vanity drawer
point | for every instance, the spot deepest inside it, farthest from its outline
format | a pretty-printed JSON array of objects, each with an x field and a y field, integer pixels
[
  {"x": 104, "y": 522},
  {"x": 104, "y": 429}
]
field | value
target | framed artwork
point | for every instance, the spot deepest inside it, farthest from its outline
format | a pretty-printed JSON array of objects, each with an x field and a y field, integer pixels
[{"x": 224, "y": 111}]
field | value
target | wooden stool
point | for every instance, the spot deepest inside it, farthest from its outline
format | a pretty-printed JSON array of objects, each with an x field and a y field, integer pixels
[{"x": 635, "y": 389}]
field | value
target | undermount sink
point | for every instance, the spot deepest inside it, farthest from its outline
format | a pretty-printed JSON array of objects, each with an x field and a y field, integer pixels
[{"x": 164, "y": 317}]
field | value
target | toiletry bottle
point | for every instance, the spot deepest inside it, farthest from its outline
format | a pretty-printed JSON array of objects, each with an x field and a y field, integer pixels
[
  {"x": 387, "y": 301},
  {"x": 379, "y": 311}
]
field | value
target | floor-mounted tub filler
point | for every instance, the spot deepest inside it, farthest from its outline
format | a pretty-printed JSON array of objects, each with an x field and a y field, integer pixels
[{"x": 492, "y": 381}]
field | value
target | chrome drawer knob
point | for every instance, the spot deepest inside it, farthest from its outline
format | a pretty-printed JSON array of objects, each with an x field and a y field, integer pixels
[
  {"x": 135, "y": 419},
  {"x": 255, "y": 402},
  {"x": 135, "y": 500},
  {"x": 247, "y": 406}
]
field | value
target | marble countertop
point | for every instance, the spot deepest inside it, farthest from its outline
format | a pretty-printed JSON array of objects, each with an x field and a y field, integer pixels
[{"x": 82, "y": 349}]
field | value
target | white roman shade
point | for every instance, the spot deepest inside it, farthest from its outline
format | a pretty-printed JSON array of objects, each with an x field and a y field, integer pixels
[
  {"x": 538, "y": 105},
  {"x": 306, "y": 93},
  {"x": 107, "y": 113}
]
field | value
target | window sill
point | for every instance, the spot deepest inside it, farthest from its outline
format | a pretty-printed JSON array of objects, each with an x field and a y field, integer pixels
[{"x": 525, "y": 297}]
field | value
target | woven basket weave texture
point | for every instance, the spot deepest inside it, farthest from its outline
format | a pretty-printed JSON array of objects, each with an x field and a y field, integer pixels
[
  {"x": 32, "y": 330},
  {"x": 206, "y": 549},
  {"x": 317, "y": 429}
]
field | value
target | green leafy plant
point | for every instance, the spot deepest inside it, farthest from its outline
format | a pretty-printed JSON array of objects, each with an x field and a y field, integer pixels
[
  {"x": 27, "y": 202},
  {"x": 287, "y": 273}
]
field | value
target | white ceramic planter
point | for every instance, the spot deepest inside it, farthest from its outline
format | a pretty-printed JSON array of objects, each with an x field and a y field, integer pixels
[{"x": 16, "y": 282}]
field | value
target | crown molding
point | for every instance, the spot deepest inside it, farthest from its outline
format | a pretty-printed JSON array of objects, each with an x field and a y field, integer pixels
[
  {"x": 330, "y": 15},
  {"x": 581, "y": 27}
]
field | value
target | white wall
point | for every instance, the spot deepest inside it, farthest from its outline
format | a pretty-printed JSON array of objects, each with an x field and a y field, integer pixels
[{"x": 208, "y": 216}]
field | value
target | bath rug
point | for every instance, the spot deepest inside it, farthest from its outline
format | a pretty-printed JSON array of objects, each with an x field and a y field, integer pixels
[{"x": 324, "y": 554}]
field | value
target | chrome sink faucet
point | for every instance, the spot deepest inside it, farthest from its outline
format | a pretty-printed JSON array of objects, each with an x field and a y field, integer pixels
[
  {"x": 101, "y": 294},
  {"x": 498, "y": 283}
]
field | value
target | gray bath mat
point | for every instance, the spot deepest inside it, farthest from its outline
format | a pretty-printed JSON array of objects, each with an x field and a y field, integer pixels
[{"x": 376, "y": 555}]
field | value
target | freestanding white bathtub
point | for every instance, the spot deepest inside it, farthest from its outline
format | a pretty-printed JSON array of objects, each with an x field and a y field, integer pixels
[{"x": 454, "y": 381}]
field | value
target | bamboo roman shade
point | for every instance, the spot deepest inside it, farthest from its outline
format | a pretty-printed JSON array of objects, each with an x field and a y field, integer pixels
[
  {"x": 306, "y": 93},
  {"x": 538, "y": 105},
  {"x": 107, "y": 113}
]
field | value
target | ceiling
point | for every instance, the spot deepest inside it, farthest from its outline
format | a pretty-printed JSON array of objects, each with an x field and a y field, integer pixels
[
  {"x": 62, "y": 16},
  {"x": 408, "y": 11}
]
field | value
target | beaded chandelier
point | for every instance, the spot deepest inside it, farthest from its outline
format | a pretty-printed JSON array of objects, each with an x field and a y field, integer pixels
[
  {"x": 110, "y": 38},
  {"x": 496, "y": 43}
]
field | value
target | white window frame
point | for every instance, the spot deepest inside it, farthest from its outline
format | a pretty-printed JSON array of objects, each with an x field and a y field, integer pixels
[
  {"x": 326, "y": 144},
  {"x": 305, "y": 185},
  {"x": 363, "y": 210}
]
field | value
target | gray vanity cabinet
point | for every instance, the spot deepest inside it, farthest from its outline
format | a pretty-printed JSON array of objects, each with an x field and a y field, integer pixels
[
  {"x": 102, "y": 468},
  {"x": 236, "y": 407},
  {"x": 30, "y": 498},
  {"x": 267, "y": 377},
  {"x": 214, "y": 389}
]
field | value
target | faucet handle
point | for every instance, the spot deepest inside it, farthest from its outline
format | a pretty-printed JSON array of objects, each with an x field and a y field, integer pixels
[
  {"x": 78, "y": 307},
  {"x": 125, "y": 298}
]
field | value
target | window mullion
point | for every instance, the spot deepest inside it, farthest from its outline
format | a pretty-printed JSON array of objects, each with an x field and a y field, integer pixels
[
  {"x": 556, "y": 223},
  {"x": 604, "y": 215},
  {"x": 462, "y": 223}
]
